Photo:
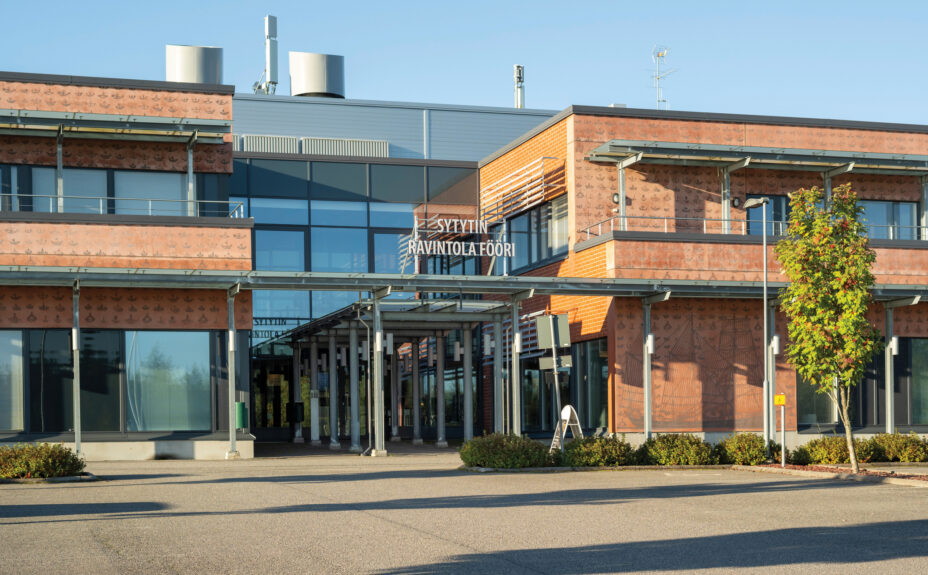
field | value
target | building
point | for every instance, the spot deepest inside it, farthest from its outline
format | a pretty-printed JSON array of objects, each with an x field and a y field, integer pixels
[
  {"x": 103, "y": 181},
  {"x": 655, "y": 200}
]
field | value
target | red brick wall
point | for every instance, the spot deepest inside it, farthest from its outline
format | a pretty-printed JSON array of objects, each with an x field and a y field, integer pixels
[
  {"x": 121, "y": 308},
  {"x": 125, "y": 246}
]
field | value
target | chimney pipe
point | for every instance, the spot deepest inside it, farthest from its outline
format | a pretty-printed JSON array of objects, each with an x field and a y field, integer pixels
[{"x": 518, "y": 76}]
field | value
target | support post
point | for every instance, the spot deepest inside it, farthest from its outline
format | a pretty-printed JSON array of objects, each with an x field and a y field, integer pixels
[
  {"x": 620, "y": 167},
  {"x": 440, "y": 440},
  {"x": 230, "y": 300},
  {"x": 333, "y": 394},
  {"x": 923, "y": 218},
  {"x": 889, "y": 373},
  {"x": 726, "y": 192},
  {"x": 191, "y": 181},
  {"x": 515, "y": 381},
  {"x": 468, "y": 337},
  {"x": 766, "y": 389},
  {"x": 647, "y": 344},
  {"x": 314, "y": 393},
  {"x": 59, "y": 172},
  {"x": 416, "y": 387},
  {"x": 296, "y": 393},
  {"x": 355, "y": 388},
  {"x": 76, "y": 358},
  {"x": 379, "y": 429},
  {"x": 771, "y": 361},
  {"x": 828, "y": 175},
  {"x": 394, "y": 395},
  {"x": 498, "y": 375}
]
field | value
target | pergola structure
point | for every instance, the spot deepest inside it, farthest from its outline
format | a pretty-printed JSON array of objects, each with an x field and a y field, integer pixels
[{"x": 409, "y": 319}]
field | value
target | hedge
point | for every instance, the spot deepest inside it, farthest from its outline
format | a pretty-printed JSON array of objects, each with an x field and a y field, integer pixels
[{"x": 24, "y": 461}]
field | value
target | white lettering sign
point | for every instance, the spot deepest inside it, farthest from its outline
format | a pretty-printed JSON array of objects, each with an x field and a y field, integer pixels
[{"x": 430, "y": 238}]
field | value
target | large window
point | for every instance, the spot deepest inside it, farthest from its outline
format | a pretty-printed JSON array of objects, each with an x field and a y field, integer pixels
[
  {"x": 50, "y": 395},
  {"x": 813, "y": 408},
  {"x": 11, "y": 380},
  {"x": 279, "y": 250},
  {"x": 590, "y": 382},
  {"x": 777, "y": 216},
  {"x": 279, "y": 211},
  {"x": 404, "y": 184},
  {"x": 167, "y": 381},
  {"x": 538, "y": 234},
  {"x": 339, "y": 250},
  {"x": 339, "y": 181},
  {"x": 85, "y": 191},
  {"x": 278, "y": 178},
  {"x": 150, "y": 193},
  {"x": 890, "y": 220},
  {"x": 331, "y": 213}
]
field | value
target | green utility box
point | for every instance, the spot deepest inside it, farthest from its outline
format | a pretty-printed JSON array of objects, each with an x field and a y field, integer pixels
[{"x": 241, "y": 415}]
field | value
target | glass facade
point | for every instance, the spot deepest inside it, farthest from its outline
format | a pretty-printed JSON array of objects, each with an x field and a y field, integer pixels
[
  {"x": 777, "y": 216},
  {"x": 11, "y": 380},
  {"x": 890, "y": 220},
  {"x": 539, "y": 235}
]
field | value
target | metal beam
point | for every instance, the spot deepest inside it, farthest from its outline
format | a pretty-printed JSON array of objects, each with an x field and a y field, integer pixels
[{"x": 726, "y": 191}]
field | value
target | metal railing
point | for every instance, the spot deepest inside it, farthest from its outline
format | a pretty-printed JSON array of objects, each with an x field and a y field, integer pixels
[
  {"x": 671, "y": 225},
  {"x": 125, "y": 206}
]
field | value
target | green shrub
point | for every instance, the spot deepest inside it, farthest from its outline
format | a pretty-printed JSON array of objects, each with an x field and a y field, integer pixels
[
  {"x": 599, "y": 452},
  {"x": 775, "y": 450},
  {"x": 902, "y": 447},
  {"x": 676, "y": 449},
  {"x": 800, "y": 456},
  {"x": 38, "y": 460},
  {"x": 869, "y": 450},
  {"x": 829, "y": 450},
  {"x": 504, "y": 451},
  {"x": 741, "y": 449}
]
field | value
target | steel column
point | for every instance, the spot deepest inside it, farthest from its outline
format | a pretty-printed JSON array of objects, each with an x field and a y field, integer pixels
[
  {"x": 468, "y": 336},
  {"x": 889, "y": 376},
  {"x": 333, "y": 394},
  {"x": 771, "y": 366},
  {"x": 515, "y": 381},
  {"x": 191, "y": 181},
  {"x": 498, "y": 375},
  {"x": 394, "y": 396},
  {"x": 354, "y": 390},
  {"x": 646, "y": 363},
  {"x": 230, "y": 300},
  {"x": 76, "y": 358},
  {"x": 314, "y": 392},
  {"x": 59, "y": 172},
  {"x": 416, "y": 387},
  {"x": 379, "y": 429},
  {"x": 923, "y": 218},
  {"x": 296, "y": 393},
  {"x": 440, "y": 390}
]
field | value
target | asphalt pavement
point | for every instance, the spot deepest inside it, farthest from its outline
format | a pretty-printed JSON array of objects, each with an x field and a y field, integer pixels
[{"x": 416, "y": 512}]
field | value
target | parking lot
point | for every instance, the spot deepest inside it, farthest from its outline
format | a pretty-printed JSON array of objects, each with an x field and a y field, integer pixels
[{"x": 416, "y": 512}]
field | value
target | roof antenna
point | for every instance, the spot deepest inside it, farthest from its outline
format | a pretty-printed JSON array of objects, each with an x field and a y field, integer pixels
[
  {"x": 518, "y": 76},
  {"x": 267, "y": 83},
  {"x": 658, "y": 54}
]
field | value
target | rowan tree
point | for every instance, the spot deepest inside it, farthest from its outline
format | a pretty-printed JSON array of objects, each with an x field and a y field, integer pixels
[{"x": 827, "y": 258}]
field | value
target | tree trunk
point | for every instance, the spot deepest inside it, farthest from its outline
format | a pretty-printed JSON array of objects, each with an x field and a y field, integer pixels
[{"x": 844, "y": 412}]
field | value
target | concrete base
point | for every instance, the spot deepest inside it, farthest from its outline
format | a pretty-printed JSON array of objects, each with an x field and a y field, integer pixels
[
  {"x": 354, "y": 449},
  {"x": 335, "y": 446},
  {"x": 417, "y": 441},
  {"x": 395, "y": 438},
  {"x": 441, "y": 444},
  {"x": 167, "y": 449},
  {"x": 233, "y": 455},
  {"x": 379, "y": 453}
]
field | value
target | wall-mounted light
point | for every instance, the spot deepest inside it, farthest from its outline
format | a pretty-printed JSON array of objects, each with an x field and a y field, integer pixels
[
  {"x": 894, "y": 345},
  {"x": 736, "y": 202},
  {"x": 650, "y": 343},
  {"x": 775, "y": 345},
  {"x": 457, "y": 351},
  {"x": 616, "y": 198}
]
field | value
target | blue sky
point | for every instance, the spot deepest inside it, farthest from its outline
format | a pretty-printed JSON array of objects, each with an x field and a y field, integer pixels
[{"x": 849, "y": 60}]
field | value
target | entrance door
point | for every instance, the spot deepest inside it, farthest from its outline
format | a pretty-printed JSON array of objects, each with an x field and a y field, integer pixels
[{"x": 270, "y": 395}]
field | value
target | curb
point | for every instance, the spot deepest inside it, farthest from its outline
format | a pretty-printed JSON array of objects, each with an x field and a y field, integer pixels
[
  {"x": 842, "y": 476},
  {"x": 67, "y": 479},
  {"x": 569, "y": 469}
]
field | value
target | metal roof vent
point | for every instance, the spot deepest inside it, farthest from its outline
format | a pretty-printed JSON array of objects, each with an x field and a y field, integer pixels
[
  {"x": 193, "y": 64},
  {"x": 321, "y": 75}
]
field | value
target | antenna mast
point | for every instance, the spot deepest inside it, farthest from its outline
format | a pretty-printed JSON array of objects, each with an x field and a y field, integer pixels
[
  {"x": 518, "y": 77},
  {"x": 658, "y": 54},
  {"x": 267, "y": 83}
]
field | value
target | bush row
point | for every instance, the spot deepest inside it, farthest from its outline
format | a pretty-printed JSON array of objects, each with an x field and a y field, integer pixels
[
  {"x": 510, "y": 452},
  {"x": 38, "y": 460}
]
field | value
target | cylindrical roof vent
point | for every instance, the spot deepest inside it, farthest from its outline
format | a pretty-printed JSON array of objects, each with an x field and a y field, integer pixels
[
  {"x": 193, "y": 64},
  {"x": 321, "y": 75}
]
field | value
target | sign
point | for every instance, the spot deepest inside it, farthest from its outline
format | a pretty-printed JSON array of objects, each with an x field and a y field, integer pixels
[
  {"x": 779, "y": 399},
  {"x": 548, "y": 362},
  {"x": 556, "y": 336},
  {"x": 436, "y": 237}
]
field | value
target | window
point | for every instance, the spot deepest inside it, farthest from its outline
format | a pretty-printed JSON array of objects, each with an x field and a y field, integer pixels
[
  {"x": 84, "y": 191},
  {"x": 331, "y": 213},
  {"x": 279, "y": 211},
  {"x": 538, "y": 234},
  {"x": 452, "y": 186},
  {"x": 339, "y": 250},
  {"x": 280, "y": 304},
  {"x": 777, "y": 216},
  {"x": 391, "y": 183},
  {"x": 11, "y": 380},
  {"x": 813, "y": 408},
  {"x": 167, "y": 381},
  {"x": 151, "y": 193},
  {"x": 890, "y": 220},
  {"x": 339, "y": 181},
  {"x": 279, "y": 250},
  {"x": 101, "y": 355},
  {"x": 590, "y": 380},
  {"x": 387, "y": 253},
  {"x": 385, "y": 215},
  {"x": 279, "y": 178},
  {"x": 50, "y": 395},
  {"x": 919, "y": 381}
]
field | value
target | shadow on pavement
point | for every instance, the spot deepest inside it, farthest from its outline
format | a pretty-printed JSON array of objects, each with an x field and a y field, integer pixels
[
  {"x": 62, "y": 509},
  {"x": 779, "y": 547}
]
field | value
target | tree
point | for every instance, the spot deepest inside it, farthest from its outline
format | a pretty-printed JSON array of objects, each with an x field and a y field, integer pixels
[{"x": 827, "y": 258}]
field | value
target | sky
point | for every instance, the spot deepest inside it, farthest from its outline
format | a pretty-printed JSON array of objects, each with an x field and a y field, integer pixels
[{"x": 845, "y": 60}]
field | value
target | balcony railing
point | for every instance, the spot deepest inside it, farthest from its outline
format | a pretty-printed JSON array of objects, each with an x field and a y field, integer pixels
[
  {"x": 125, "y": 206},
  {"x": 670, "y": 225}
]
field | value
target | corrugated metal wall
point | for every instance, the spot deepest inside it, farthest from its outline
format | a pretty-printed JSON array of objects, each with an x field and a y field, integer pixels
[{"x": 454, "y": 133}]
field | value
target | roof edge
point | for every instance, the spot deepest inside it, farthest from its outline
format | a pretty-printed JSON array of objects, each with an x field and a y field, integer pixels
[{"x": 67, "y": 80}]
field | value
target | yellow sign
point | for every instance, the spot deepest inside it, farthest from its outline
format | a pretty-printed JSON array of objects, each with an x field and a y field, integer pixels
[{"x": 779, "y": 399}]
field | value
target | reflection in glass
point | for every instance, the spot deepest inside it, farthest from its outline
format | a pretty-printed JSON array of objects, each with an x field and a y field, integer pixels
[
  {"x": 279, "y": 211},
  {"x": 387, "y": 253},
  {"x": 919, "y": 380},
  {"x": 813, "y": 407},
  {"x": 89, "y": 185},
  {"x": 338, "y": 181},
  {"x": 329, "y": 213},
  {"x": 385, "y": 215},
  {"x": 11, "y": 380},
  {"x": 397, "y": 183},
  {"x": 284, "y": 304},
  {"x": 278, "y": 250},
  {"x": 452, "y": 185},
  {"x": 325, "y": 302},
  {"x": 101, "y": 355},
  {"x": 278, "y": 178},
  {"x": 50, "y": 385},
  {"x": 167, "y": 381}
]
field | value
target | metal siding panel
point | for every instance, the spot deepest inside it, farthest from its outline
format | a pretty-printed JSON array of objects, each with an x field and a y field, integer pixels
[
  {"x": 401, "y": 127},
  {"x": 474, "y": 135}
]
